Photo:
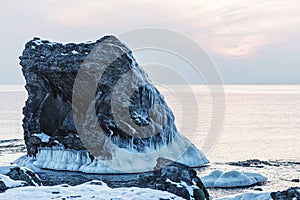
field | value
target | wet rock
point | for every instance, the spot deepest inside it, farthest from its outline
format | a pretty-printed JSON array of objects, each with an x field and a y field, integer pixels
[
  {"x": 289, "y": 194},
  {"x": 176, "y": 178},
  {"x": 2, "y": 186}
]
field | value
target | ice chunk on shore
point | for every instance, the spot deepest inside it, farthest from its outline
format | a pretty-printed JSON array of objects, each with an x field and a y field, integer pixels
[
  {"x": 232, "y": 178},
  {"x": 249, "y": 196},
  {"x": 5, "y": 169},
  {"x": 89, "y": 190}
]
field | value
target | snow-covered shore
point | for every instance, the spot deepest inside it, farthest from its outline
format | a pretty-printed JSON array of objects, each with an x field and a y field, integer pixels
[{"x": 91, "y": 190}]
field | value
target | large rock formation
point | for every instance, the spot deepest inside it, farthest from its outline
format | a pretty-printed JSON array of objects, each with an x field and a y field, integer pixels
[{"x": 92, "y": 108}]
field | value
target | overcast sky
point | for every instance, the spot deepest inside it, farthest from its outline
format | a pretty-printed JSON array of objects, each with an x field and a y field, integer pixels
[{"x": 250, "y": 41}]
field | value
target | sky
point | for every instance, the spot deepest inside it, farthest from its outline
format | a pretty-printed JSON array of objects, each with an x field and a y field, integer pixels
[{"x": 250, "y": 41}]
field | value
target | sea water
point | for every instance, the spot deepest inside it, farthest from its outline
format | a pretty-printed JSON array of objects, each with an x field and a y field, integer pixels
[{"x": 260, "y": 122}]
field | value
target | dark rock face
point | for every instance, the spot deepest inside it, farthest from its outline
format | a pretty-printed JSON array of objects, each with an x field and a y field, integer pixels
[
  {"x": 176, "y": 178},
  {"x": 50, "y": 70},
  {"x": 2, "y": 186},
  {"x": 56, "y": 118},
  {"x": 289, "y": 194}
]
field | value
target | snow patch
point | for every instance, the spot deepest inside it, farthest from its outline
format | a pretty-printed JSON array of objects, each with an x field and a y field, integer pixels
[
  {"x": 232, "y": 178},
  {"x": 38, "y": 42},
  {"x": 190, "y": 188},
  {"x": 75, "y": 52},
  {"x": 89, "y": 190},
  {"x": 44, "y": 138}
]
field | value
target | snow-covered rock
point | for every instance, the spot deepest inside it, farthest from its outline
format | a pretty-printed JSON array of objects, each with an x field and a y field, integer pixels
[
  {"x": 249, "y": 196},
  {"x": 10, "y": 183},
  {"x": 43, "y": 137},
  {"x": 23, "y": 174},
  {"x": 90, "y": 190},
  {"x": 232, "y": 178}
]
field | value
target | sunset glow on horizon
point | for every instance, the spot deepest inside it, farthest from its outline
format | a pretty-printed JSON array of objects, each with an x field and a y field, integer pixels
[{"x": 228, "y": 30}]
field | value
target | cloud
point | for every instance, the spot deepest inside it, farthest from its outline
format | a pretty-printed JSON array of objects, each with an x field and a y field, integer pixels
[{"x": 232, "y": 28}]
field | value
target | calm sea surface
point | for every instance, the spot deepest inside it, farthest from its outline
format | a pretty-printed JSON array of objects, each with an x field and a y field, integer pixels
[{"x": 261, "y": 121}]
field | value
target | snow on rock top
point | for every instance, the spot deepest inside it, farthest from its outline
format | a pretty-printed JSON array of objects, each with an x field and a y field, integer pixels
[{"x": 42, "y": 136}]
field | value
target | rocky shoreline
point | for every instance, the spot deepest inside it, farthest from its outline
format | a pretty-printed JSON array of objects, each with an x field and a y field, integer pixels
[{"x": 166, "y": 179}]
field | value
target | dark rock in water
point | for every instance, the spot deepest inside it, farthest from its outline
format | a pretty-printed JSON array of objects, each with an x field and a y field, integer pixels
[
  {"x": 258, "y": 189},
  {"x": 60, "y": 129},
  {"x": 176, "y": 178},
  {"x": 289, "y": 194},
  {"x": 261, "y": 163},
  {"x": 296, "y": 180},
  {"x": 2, "y": 186},
  {"x": 23, "y": 174}
]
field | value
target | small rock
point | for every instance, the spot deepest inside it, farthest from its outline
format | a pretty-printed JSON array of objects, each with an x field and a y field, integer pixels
[
  {"x": 2, "y": 186},
  {"x": 24, "y": 174},
  {"x": 258, "y": 189},
  {"x": 289, "y": 194}
]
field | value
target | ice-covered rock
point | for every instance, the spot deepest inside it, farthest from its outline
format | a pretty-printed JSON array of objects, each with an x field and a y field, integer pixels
[
  {"x": 176, "y": 178},
  {"x": 25, "y": 175},
  {"x": 232, "y": 178},
  {"x": 60, "y": 129},
  {"x": 6, "y": 182},
  {"x": 89, "y": 190},
  {"x": 289, "y": 194},
  {"x": 249, "y": 196}
]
